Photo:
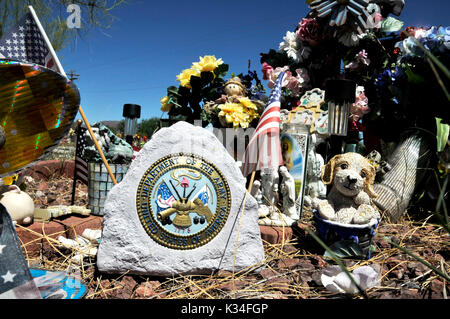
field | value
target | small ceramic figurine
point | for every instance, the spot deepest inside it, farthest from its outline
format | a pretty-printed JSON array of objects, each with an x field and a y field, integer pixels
[
  {"x": 350, "y": 199},
  {"x": 234, "y": 87},
  {"x": 314, "y": 188},
  {"x": 288, "y": 191},
  {"x": 115, "y": 149},
  {"x": 256, "y": 191},
  {"x": 271, "y": 215},
  {"x": 19, "y": 205},
  {"x": 235, "y": 93},
  {"x": 269, "y": 185}
]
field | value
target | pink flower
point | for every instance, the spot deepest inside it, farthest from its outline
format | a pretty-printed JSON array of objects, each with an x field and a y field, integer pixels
[
  {"x": 273, "y": 76},
  {"x": 267, "y": 71},
  {"x": 360, "y": 61},
  {"x": 298, "y": 83},
  {"x": 377, "y": 18},
  {"x": 360, "y": 107},
  {"x": 309, "y": 31}
]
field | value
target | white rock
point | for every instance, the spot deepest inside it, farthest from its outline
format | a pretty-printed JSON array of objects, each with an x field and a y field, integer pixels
[{"x": 125, "y": 245}]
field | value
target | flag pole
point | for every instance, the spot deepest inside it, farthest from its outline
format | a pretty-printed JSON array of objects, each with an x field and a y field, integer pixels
[
  {"x": 74, "y": 185},
  {"x": 252, "y": 179},
  {"x": 61, "y": 70},
  {"x": 47, "y": 41}
]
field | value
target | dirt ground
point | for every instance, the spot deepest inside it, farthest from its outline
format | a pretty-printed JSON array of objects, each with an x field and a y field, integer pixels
[{"x": 291, "y": 269}]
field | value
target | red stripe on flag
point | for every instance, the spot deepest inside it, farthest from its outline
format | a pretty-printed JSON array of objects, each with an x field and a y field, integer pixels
[{"x": 50, "y": 63}]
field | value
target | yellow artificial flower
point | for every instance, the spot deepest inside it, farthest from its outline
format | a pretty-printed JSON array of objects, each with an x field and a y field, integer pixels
[
  {"x": 165, "y": 104},
  {"x": 208, "y": 63},
  {"x": 245, "y": 101},
  {"x": 185, "y": 77},
  {"x": 237, "y": 114}
]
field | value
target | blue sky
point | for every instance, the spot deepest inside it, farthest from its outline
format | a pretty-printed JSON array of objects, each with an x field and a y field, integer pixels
[{"x": 151, "y": 42}]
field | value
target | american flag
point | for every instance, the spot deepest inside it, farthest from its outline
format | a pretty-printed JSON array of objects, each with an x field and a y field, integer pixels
[
  {"x": 16, "y": 281},
  {"x": 264, "y": 150},
  {"x": 81, "y": 167},
  {"x": 25, "y": 42}
]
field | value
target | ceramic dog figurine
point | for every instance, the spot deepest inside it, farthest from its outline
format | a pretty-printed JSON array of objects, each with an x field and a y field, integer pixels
[{"x": 350, "y": 199}]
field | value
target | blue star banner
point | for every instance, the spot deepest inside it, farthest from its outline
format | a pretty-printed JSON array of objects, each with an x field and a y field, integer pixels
[{"x": 16, "y": 281}]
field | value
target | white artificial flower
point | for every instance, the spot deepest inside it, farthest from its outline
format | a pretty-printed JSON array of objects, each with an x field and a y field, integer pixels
[{"x": 294, "y": 47}]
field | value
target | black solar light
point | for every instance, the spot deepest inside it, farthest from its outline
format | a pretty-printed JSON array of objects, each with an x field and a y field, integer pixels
[
  {"x": 339, "y": 94},
  {"x": 131, "y": 112}
]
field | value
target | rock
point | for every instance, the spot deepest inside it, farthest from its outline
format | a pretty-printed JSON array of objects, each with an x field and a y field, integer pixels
[
  {"x": 304, "y": 280},
  {"x": 407, "y": 293},
  {"x": 51, "y": 198},
  {"x": 305, "y": 264},
  {"x": 279, "y": 283},
  {"x": 318, "y": 261},
  {"x": 437, "y": 288},
  {"x": 105, "y": 284},
  {"x": 382, "y": 243},
  {"x": 144, "y": 291},
  {"x": 398, "y": 273},
  {"x": 42, "y": 186},
  {"x": 127, "y": 246},
  {"x": 316, "y": 279},
  {"x": 288, "y": 249},
  {"x": 232, "y": 285},
  {"x": 417, "y": 268},
  {"x": 127, "y": 285},
  {"x": 268, "y": 273},
  {"x": 288, "y": 263},
  {"x": 39, "y": 194}
]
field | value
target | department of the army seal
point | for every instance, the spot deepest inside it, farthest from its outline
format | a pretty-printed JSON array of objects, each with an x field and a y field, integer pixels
[{"x": 183, "y": 201}]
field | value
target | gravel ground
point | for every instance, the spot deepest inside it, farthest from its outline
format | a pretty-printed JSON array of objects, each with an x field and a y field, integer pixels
[{"x": 291, "y": 270}]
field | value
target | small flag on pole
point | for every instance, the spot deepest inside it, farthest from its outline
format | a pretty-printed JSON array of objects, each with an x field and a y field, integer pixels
[
  {"x": 264, "y": 150},
  {"x": 81, "y": 167},
  {"x": 28, "y": 42}
]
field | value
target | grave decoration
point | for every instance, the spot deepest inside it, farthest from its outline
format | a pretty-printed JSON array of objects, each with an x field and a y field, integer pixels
[
  {"x": 18, "y": 204},
  {"x": 38, "y": 110},
  {"x": 348, "y": 215},
  {"x": 115, "y": 149},
  {"x": 17, "y": 282},
  {"x": 396, "y": 70},
  {"x": 182, "y": 208},
  {"x": 234, "y": 107},
  {"x": 117, "y": 152},
  {"x": 204, "y": 94}
]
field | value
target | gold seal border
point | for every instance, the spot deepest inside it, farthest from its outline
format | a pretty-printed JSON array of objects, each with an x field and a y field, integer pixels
[{"x": 148, "y": 219}]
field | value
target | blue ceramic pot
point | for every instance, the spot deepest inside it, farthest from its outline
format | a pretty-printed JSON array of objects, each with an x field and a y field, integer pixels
[{"x": 331, "y": 232}]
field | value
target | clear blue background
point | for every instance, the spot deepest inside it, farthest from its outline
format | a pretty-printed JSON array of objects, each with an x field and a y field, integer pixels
[{"x": 151, "y": 42}]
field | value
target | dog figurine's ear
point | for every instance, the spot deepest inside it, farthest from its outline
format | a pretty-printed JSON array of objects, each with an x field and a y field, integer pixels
[
  {"x": 328, "y": 171},
  {"x": 368, "y": 184}
]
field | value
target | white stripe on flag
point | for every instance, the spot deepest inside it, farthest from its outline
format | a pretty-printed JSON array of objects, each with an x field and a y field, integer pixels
[
  {"x": 271, "y": 112},
  {"x": 264, "y": 128},
  {"x": 264, "y": 150}
]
